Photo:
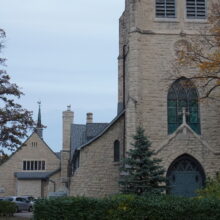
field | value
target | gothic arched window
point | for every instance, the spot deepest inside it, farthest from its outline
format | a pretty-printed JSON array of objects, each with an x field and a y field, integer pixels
[
  {"x": 116, "y": 151},
  {"x": 183, "y": 94}
]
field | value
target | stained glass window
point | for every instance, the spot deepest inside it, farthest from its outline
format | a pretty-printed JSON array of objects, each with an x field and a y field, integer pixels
[{"x": 183, "y": 94}]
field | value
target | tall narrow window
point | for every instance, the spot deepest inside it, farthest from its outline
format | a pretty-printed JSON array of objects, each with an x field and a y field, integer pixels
[
  {"x": 32, "y": 165},
  {"x": 196, "y": 9},
  {"x": 116, "y": 151},
  {"x": 43, "y": 165},
  {"x": 24, "y": 165},
  {"x": 183, "y": 94},
  {"x": 39, "y": 165},
  {"x": 35, "y": 165},
  {"x": 165, "y": 8},
  {"x": 28, "y": 165}
]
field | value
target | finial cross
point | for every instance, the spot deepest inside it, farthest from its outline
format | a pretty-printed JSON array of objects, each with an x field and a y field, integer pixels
[{"x": 184, "y": 113}]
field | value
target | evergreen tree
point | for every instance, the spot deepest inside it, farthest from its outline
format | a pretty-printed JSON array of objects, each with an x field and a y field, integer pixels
[
  {"x": 14, "y": 120},
  {"x": 141, "y": 173}
]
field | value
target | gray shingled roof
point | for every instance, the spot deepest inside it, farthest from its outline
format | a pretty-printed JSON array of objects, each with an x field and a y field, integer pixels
[
  {"x": 81, "y": 134},
  {"x": 104, "y": 130},
  {"x": 58, "y": 154},
  {"x": 93, "y": 129},
  {"x": 34, "y": 175}
]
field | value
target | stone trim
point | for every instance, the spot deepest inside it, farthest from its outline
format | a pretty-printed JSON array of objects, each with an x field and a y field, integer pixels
[{"x": 183, "y": 129}]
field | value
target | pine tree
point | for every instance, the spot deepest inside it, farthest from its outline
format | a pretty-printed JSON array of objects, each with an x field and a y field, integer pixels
[
  {"x": 141, "y": 172},
  {"x": 14, "y": 120}
]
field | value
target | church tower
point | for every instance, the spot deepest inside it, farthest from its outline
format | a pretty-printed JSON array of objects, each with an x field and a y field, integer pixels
[{"x": 183, "y": 130}]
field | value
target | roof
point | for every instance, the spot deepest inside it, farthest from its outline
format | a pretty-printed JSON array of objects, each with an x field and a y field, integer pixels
[
  {"x": 104, "y": 130},
  {"x": 58, "y": 154},
  {"x": 81, "y": 134},
  {"x": 24, "y": 143},
  {"x": 93, "y": 129},
  {"x": 34, "y": 175}
]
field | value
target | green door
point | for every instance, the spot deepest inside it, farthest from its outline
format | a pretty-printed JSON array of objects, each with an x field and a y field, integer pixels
[{"x": 185, "y": 177}]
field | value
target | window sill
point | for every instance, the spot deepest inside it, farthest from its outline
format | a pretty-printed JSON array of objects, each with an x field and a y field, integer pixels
[
  {"x": 166, "y": 20},
  {"x": 202, "y": 21}
]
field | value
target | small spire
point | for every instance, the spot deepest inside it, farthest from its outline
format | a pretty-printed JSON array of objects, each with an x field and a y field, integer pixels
[{"x": 39, "y": 127}]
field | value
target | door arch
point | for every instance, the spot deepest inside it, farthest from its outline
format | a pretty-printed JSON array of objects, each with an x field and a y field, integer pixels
[{"x": 185, "y": 175}]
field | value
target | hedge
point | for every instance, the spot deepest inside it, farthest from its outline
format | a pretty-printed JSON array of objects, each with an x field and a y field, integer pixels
[
  {"x": 127, "y": 207},
  {"x": 7, "y": 208}
]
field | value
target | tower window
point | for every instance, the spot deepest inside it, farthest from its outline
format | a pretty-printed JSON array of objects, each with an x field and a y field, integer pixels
[
  {"x": 165, "y": 8},
  {"x": 34, "y": 144},
  {"x": 183, "y": 94},
  {"x": 196, "y": 9},
  {"x": 116, "y": 151}
]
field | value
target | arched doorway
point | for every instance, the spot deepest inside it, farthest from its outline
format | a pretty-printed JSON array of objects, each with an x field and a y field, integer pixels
[{"x": 185, "y": 175}]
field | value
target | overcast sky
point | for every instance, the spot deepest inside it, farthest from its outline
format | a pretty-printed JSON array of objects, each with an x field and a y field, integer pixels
[{"x": 63, "y": 52}]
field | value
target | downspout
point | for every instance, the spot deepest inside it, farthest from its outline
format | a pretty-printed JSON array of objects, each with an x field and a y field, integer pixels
[{"x": 124, "y": 84}]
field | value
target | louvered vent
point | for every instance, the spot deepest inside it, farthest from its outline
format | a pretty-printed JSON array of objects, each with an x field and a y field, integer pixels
[
  {"x": 165, "y": 8},
  {"x": 196, "y": 9}
]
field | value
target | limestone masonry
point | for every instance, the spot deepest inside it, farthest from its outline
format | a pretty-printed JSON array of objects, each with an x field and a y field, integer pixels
[{"x": 184, "y": 131}]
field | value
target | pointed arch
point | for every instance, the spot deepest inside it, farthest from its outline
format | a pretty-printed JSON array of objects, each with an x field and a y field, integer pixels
[
  {"x": 185, "y": 175},
  {"x": 183, "y": 94}
]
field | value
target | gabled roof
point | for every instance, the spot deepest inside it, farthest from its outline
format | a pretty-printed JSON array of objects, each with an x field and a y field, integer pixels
[
  {"x": 93, "y": 129},
  {"x": 23, "y": 144},
  {"x": 98, "y": 129},
  {"x": 44, "y": 143},
  {"x": 81, "y": 134},
  {"x": 35, "y": 175}
]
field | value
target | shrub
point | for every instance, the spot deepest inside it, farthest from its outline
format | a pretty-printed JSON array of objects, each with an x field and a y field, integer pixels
[
  {"x": 128, "y": 207},
  {"x": 212, "y": 188},
  {"x": 7, "y": 208}
]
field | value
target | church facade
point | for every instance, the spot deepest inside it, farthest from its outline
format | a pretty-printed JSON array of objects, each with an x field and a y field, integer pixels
[
  {"x": 33, "y": 169},
  {"x": 183, "y": 130}
]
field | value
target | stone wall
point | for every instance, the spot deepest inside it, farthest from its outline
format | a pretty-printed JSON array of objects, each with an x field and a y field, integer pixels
[{"x": 98, "y": 174}]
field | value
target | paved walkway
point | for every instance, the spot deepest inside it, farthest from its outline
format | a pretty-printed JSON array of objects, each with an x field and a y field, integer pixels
[
  {"x": 19, "y": 216},
  {"x": 27, "y": 215}
]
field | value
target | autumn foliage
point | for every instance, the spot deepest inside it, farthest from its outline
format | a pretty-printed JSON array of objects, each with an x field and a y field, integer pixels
[
  {"x": 14, "y": 119},
  {"x": 203, "y": 53}
]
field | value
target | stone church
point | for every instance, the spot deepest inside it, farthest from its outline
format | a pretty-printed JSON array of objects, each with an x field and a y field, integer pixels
[
  {"x": 34, "y": 169},
  {"x": 184, "y": 131}
]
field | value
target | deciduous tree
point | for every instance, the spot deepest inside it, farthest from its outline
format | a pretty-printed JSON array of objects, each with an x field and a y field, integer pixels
[
  {"x": 203, "y": 53},
  {"x": 14, "y": 119}
]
